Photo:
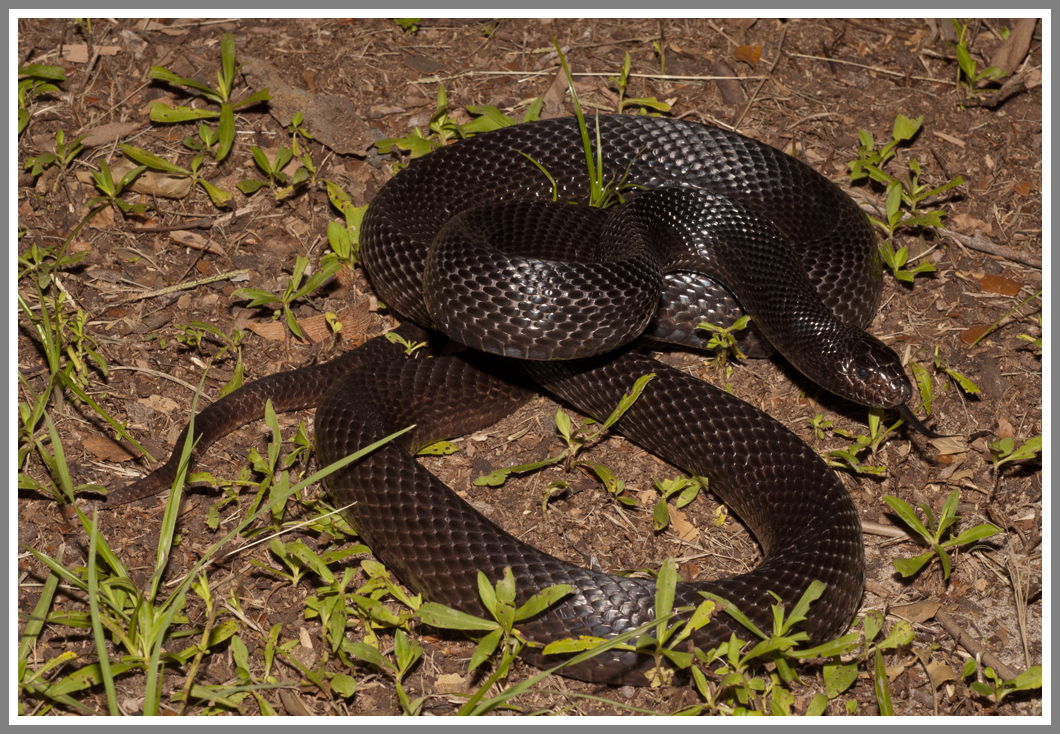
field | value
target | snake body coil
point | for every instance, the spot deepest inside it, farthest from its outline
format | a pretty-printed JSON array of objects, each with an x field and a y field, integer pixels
[{"x": 708, "y": 211}]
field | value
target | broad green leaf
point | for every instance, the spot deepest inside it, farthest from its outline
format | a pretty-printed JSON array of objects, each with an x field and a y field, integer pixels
[
  {"x": 905, "y": 128},
  {"x": 152, "y": 161},
  {"x": 219, "y": 198},
  {"x": 905, "y": 512},
  {"x": 442, "y": 617},
  {"x": 910, "y": 566},
  {"x": 965, "y": 61},
  {"x": 901, "y": 634},
  {"x": 226, "y": 131},
  {"x": 660, "y": 515},
  {"x": 251, "y": 186},
  {"x": 979, "y": 532},
  {"x": 542, "y": 600},
  {"x": 41, "y": 71},
  {"x": 486, "y": 647},
  {"x": 882, "y": 687},
  {"x": 164, "y": 114}
]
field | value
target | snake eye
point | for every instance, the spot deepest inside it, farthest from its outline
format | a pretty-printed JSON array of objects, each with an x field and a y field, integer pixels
[{"x": 862, "y": 373}]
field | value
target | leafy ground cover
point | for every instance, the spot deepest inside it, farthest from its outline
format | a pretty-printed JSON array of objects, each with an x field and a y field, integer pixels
[{"x": 145, "y": 256}]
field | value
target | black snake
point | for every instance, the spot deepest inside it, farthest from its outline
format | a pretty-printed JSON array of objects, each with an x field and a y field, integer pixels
[{"x": 709, "y": 212}]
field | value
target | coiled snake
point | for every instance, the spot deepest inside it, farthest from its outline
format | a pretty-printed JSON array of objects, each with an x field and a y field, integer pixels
[{"x": 706, "y": 207}]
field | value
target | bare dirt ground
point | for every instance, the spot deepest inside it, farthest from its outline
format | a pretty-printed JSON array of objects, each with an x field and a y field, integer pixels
[{"x": 815, "y": 85}]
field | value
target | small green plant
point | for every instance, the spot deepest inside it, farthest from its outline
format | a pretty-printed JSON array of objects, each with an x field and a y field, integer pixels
[
  {"x": 993, "y": 327},
  {"x": 645, "y": 103},
  {"x": 686, "y": 489},
  {"x": 60, "y": 334},
  {"x": 901, "y": 191},
  {"x": 601, "y": 194},
  {"x": 112, "y": 189},
  {"x": 724, "y": 340},
  {"x": 196, "y": 172},
  {"x": 194, "y": 336},
  {"x": 754, "y": 678},
  {"x": 926, "y": 387},
  {"x": 294, "y": 291},
  {"x": 995, "y": 687},
  {"x": 1034, "y": 340},
  {"x": 1004, "y": 450},
  {"x": 297, "y": 132},
  {"x": 142, "y": 621},
  {"x": 37, "y": 79},
  {"x": 344, "y": 238},
  {"x": 278, "y": 181},
  {"x": 64, "y": 155},
  {"x": 441, "y": 128},
  {"x": 840, "y": 674},
  {"x": 576, "y": 439},
  {"x": 225, "y": 134},
  {"x": 933, "y": 533},
  {"x": 968, "y": 73},
  {"x": 68, "y": 348},
  {"x": 896, "y": 260},
  {"x": 409, "y": 25},
  {"x": 662, "y": 57},
  {"x": 849, "y": 458},
  {"x": 410, "y": 346},
  {"x": 500, "y": 632}
]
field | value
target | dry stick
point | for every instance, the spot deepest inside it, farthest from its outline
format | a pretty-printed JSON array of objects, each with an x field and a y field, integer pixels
[
  {"x": 769, "y": 74},
  {"x": 1021, "y": 601},
  {"x": 174, "y": 288},
  {"x": 544, "y": 72},
  {"x": 874, "y": 68},
  {"x": 887, "y": 531},
  {"x": 982, "y": 244},
  {"x": 201, "y": 223},
  {"x": 162, "y": 375},
  {"x": 969, "y": 643},
  {"x": 904, "y": 35}
]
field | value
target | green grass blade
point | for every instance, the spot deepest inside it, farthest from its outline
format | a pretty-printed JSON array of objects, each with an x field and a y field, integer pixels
[{"x": 97, "y": 626}]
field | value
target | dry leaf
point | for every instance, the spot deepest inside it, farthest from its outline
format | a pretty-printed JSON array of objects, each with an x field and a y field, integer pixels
[
  {"x": 105, "y": 449},
  {"x": 159, "y": 403},
  {"x": 354, "y": 319},
  {"x": 1011, "y": 53},
  {"x": 999, "y": 284},
  {"x": 937, "y": 672},
  {"x": 967, "y": 223},
  {"x": 195, "y": 241},
  {"x": 748, "y": 54},
  {"x": 684, "y": 529},
  {"x": 949, "y": 444},
  {"x": 165, "y": 29},
  {"x": 78, "y": 52},
  {"x": 451, "y": 683},
  {"x": 106, "y": 134},
  {"x": 917, "y": 612},
  {"x": 973, "y": 333},
  {"x": 271, "y": 330},
  {"x": 1004, "y": 428},
  {"x": 957, "y": 477},
  {"x": 103, "y": 220}
]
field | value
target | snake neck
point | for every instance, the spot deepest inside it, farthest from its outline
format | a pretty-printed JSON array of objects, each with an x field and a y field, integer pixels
[{"x": 847, "y": 361}]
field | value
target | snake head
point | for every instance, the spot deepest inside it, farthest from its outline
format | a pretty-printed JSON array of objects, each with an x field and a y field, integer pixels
[{"x": 873, "y": 375}]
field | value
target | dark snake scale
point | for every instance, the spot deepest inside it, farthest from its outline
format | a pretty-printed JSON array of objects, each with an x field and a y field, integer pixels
[{"x": 714, "y": 223}]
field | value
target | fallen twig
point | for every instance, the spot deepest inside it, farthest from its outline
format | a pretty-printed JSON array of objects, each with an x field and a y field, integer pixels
[
  {"x": 969, "y": 643},
  {"x": 982, "y": 244}
]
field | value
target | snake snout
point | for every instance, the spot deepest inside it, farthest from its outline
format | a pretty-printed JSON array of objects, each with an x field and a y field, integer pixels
[{"x": 875, "y": 376}]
